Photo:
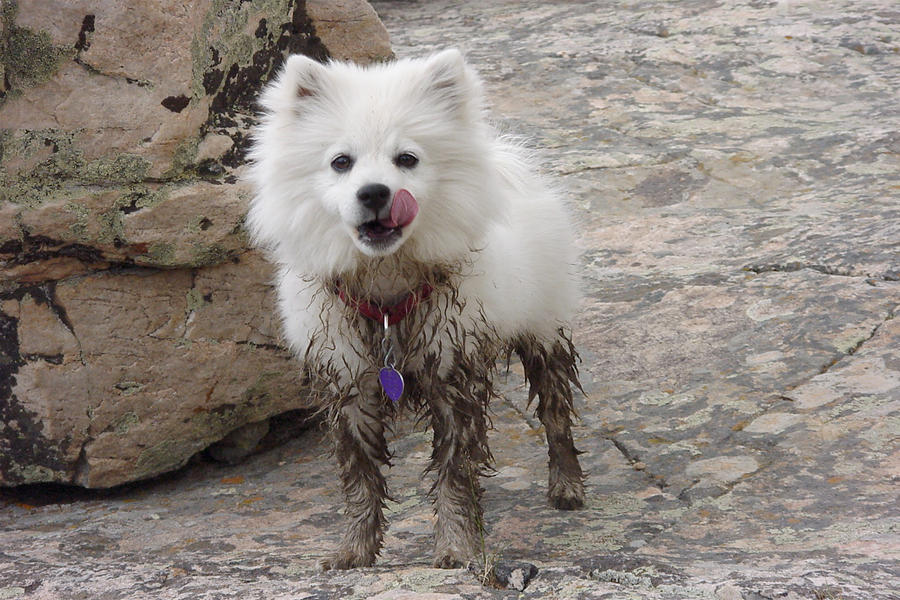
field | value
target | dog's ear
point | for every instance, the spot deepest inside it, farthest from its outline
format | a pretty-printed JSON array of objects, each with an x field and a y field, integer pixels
[
  {"x": 301, "y": 78},
  {"x": 447, "y": 69},
  {"x": 304, "y": 74},
  {"x": 453, "y": 82}
]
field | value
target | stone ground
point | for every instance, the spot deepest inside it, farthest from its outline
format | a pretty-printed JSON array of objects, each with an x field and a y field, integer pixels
[{"x": 735, "y": 171}]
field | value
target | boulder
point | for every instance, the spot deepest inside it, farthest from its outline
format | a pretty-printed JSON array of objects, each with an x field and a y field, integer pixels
[{"x": 136, "y": 326}]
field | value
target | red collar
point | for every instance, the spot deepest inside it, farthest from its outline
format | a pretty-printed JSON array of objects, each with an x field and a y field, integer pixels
[{"x": 377, "y": 312}]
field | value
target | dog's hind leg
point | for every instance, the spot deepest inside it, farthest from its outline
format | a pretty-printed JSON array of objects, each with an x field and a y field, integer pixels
[
  {"x": 551, "y": 371},
  {"x": 459, "y": 457},
  {"x": 361, "y": 449}
]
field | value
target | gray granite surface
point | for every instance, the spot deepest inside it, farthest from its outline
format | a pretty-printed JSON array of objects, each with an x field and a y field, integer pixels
[{"x": 735, "y": 172}]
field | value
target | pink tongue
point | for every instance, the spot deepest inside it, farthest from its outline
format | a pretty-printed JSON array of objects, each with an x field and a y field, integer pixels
[{"x": 403, "y": 210}]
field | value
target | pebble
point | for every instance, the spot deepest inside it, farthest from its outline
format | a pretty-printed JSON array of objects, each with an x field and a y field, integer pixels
[{"x": 515, "y": 575}]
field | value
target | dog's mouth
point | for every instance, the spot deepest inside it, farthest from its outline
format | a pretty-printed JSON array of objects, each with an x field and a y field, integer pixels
[
  {"x": 382, "y": 233},
  {"x": 374, "y": 232}
]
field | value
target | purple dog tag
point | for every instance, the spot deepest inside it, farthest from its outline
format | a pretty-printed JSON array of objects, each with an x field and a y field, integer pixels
[{"x": 391, "y": 382}]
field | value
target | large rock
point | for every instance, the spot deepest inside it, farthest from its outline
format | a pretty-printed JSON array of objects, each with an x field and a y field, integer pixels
[{"x": 136, "y": 328}]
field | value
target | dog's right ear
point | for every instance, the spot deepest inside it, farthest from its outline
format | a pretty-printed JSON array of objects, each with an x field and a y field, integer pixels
[{"x": 300, "y": 78}]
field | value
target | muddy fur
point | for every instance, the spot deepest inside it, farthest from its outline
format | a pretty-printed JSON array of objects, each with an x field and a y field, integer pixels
[
  {"x": 551, "y": 372},
  {"x": 449, "y": 356}
]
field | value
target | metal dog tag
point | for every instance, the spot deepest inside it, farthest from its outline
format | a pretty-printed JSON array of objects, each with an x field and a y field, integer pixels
[
  {"x": 391, "y": 382},
  {"x": 390, "y": 378}
]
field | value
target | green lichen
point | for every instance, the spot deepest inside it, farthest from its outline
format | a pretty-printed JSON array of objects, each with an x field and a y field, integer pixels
[
  {"x": 612, "y": 505},
  {"x": 165, "y": 456},
  {"x": 141, "y": 196},
  {"x": 161, "y": 254},
  {"x": 112, "y": 226},
  {"x": 294, "y": 568},
  {"x": 609, "y": 537},
  {"x": 783, "y": 536},
  {"x": 115, "y": 168},
  {"x": 35, "y": 474},
  {"x": 225, "y": 34},
  {"x": 851, "y": 341},
  {"x": 42, "y": 179},
  {"x": 207, "y": 255},
  {"x": 183, "y": 157},
  {"x": 29, "y": 57},
  {"x": 195, "y": 225},
  {"x": 862, "y": 405},
  {"x": 27, "y": 194},
  {"x": 421, "y": 581},
  {"x": 129, "y": 387},
  {"x": 67, "y": 161},
  {"x": 59, "y": 172},
  {"x": 884, "y": 435},
  {"x": 194, "y": 300},
  {"x": 80, "y": 227},
  {"x": 682, "y": 446},
  {"x": 639, "y": 577},
  {"x": 696, "y": 419},
  {"x": 243, "y": 49},
  {"x": 124, "y": 423},
  {"x": 217, "y": 423}
]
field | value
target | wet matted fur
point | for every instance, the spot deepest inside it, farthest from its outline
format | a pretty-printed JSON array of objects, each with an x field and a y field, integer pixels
[
  {"x": 490, "y": 240},
  {"x": 449, "y": 356}
]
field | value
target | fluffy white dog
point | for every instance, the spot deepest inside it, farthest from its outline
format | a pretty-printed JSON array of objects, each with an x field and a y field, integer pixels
[{"x": 415, "y": 247}]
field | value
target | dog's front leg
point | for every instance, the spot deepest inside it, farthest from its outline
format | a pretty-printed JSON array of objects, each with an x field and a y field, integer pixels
[
  {"x": 361, "y": 449},
  {"x": 459, "y": 456}
]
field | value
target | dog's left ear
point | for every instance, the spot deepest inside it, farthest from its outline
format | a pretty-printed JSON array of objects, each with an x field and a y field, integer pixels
[
  {"x": 304, "y": 75},
  {"x": 453, "y": 82},
  {"x": 300, "y": 79}
]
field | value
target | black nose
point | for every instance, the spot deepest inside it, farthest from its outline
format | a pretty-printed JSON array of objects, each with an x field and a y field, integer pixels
[{"x": 373, "y": 195}]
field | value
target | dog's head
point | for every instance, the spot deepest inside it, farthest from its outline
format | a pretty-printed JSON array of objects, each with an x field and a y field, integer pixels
[{"x": 352, "y": 161}]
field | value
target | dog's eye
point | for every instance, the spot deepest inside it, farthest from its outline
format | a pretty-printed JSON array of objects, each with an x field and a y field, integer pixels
[
  {"x": 342, "y": 163},
  {"x": 406, "y": 160}
]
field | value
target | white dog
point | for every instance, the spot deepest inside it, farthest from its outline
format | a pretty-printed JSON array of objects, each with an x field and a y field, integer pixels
[{"x": 415, "y": 247}]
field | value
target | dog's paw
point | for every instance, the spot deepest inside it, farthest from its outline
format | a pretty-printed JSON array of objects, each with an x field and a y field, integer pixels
[
  {"x": 449, "y": 560},
  {"x": 567, "y": 497},
  {"x": 346, "y": 560},
  {"x": 566, "y": 502}
]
